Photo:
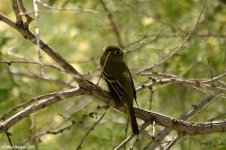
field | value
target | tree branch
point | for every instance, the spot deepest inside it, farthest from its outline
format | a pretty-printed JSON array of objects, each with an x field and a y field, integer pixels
[
  {"x": 181, "y": 126},
  {"x": 27, "y": 34},
  {"x": 9, "y": 139},
  {"x": 185, "y": 116},
  {"x": 197, "y": 83},
  {"x": 162, "y": 120},
  {"x": 16, "y": 11},
  {"x": 37, "y": 106},
  {"x": 87, "y": 133},
  {"x": 173, "y": 54},
  {"x": 78, "y": 9},
  {"x": 113, "y": 25},
  {"x": 29, "y": 18}
]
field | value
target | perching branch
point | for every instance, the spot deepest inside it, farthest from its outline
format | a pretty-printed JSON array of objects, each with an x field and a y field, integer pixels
[{"x": 162, "y": 120}]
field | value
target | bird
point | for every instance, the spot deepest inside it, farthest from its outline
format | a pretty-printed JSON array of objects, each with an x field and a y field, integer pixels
[{"x": 119, "y": 81}]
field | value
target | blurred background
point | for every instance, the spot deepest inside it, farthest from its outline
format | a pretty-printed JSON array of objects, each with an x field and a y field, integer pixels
[{"x": 149, "y": 31}]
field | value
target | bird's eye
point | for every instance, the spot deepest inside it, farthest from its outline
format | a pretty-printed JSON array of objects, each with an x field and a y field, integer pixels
[{"x": 117, "y": 53}]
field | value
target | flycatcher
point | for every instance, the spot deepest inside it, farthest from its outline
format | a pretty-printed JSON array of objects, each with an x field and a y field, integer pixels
[{"x": 119, "y": 81}]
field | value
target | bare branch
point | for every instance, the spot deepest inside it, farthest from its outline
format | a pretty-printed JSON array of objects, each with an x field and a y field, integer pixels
[
  {"x": 50, "y": 80},
  {"x": 186, "y": 116},
  {"x": 173, "y": 35},
  {"x": 180, "y": 125},
  {"x": 173, "y": 141},
  {"x": 9, "y": 139},
  {"x": 30, "y": 62},
  {"x": 113, "y": 25},
  {"x": 129, "y": 138},
  {"x": 149, "y": 16},
  {"x": 200, "y": 84},
  {"x": 37, "y": 34},
  {"x": 171, "y": 76},
  {"x": 51, "y": 132},
  {"x": 16, "y": 10},
  {"x": 70, "y": 9},
  {"x": 37, "y": 106},
  {"x": 206, "y": 88},
  {"x": 163, "y": 120},
  {"x": 173, "y": 54},
  {"x": 25, "y": 104},
  {"x": 87, "y": 133},
  {"x": 27, "y": 34},
  {"x": 29, "y": 18},
  {"x": 7, "y": 20},
  {"x": 124, "y": 142}
]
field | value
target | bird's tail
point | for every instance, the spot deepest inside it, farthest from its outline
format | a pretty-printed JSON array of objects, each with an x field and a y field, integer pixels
[{"x": 133, "y": 120}]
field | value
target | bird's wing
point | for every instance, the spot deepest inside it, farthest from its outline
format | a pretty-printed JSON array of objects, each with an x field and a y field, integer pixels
[
  {"x": 128, "y": 76},
  {"x": 116, "y": 88}
]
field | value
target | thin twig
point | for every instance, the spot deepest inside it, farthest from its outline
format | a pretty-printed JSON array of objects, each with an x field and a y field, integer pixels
[
  {"x": 16, "y": 11},
  {"x": 206, "y": 88},
  {"x": 70, "y": 9},
  {"x": 186, "y": 116},
  {"x": 123, "y": 143},
  {"x": 28, "y": 103},
  {"x": 113, "y": 25},
  {"x": 37, "y": 34},
  {"x": 103, "y": 68},
  {"x": 53, "y": 132},
  {"x": 200, "y": 84},
  {"x": 32, "y": 129},
  {"x": 129, "y": 138},
  {"x": 9, "y": 139},
  {"x": 10, "y": 62},
  {"x": 173, "y": 54},
  {"x": 48, "y": 50},
  {"x": 171, "y": 76},
  {"x": 28, "y": 17},
  {"x": 173, "y": 35},
  {"x": 50, "y": 80},
  {"x": 173, "y": 141},
  {"x": 135, "y": 9},
  {"x": 87, "y": 133}
]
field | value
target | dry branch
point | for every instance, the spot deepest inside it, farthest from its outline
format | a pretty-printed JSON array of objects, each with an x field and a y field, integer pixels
[
  {"x": 37, "y": 106},
  {"x": 160, "y": 119}
]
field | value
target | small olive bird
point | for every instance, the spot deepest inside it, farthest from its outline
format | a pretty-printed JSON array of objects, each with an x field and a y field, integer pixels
[{"x": 119, "y": 81}]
